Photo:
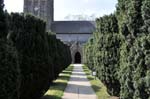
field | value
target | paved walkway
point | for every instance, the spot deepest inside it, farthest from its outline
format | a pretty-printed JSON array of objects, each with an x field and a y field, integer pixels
[{"x": 79, "y": 87}]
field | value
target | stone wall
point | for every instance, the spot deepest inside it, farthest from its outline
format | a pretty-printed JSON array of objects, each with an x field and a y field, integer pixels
[
  {"x": 44, "y": 9},
  {"x": 75, "y": 41},
  {"x": 76, "y": 47}
]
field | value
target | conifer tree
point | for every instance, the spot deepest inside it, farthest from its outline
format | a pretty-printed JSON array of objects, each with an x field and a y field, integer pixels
[
  {"x": 146, "y": 15},
  {"x": 3, "y": 27}
]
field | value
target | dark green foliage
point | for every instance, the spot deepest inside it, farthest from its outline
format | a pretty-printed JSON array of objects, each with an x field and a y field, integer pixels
[
  {"x": 129, "y": 17},
  {"x": 28, "y": 36},
  {"x": 134, "y": 16},
  {"x": 141, "y": 67},
  {"x": 37, "y": 52},
  {"x": 125, "y": 72},
  {"x": 146, "y": 15},
  {"x": 134, "y": 66},
  {"x": 103, "y": 53},
  {"x": 3, "y": 26},
  {"x": 9, "y": 72},
  {"x": 121, "y": 57},
  {"x": 9, "y": 68},
  {"x": 31, "y": 59},
  {"x": 89, "y": 58},
  {"x": 59, "y": 59}
]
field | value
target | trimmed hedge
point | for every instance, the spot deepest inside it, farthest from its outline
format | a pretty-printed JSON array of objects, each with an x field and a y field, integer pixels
[
  {"x": 9, "y": 68},
  {"x": 105, "y": 52},
  {"x": 3, "y": 24},
  {"x": 134, "y": 69},
  {"x": 119, "y": 50},
  {"x": 9, "y": 71},
  {"x": 57, "y": 51},
  {"x": 28, "y": 36},
  {"x": 30, "y": 58}
]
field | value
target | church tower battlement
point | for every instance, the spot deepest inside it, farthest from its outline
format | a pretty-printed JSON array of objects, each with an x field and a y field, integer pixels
[{"x": 43, "y": 9}]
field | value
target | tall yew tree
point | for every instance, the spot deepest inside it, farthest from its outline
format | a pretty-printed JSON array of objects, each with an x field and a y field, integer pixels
[
  {"x": 26, "y": 56},
  {"x": 146, "y": 16},
  {"x": 3, "y": 27},
  {"x": 102, "y": 53},
  {"x": 9, "y": 69},
  {"x": 122, "y": 59}
]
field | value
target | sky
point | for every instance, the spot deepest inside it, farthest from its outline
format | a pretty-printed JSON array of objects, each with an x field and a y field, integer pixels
[{"x": 63, "y": 8}]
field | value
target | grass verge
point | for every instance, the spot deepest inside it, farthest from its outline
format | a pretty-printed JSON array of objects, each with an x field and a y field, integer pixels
[
  {"x": 97, "y": 85},
  {"x": 56, "y": 90}
]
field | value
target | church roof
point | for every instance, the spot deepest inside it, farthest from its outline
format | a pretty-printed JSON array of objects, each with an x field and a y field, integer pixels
[{"x": 73, "y": 26}]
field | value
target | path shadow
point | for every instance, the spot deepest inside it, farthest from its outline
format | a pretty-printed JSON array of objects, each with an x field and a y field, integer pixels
[
  {"x": 96, "y": 88},
  {"x": 50, "y": 97},
  {"x": 91, "y": 78},
  {"x": 58, "y": 84},
  {"x": 64, "y": 77}
]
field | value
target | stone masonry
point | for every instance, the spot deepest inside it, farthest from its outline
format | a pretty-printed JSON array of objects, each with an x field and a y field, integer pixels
[{"x": 73, "y": 33}]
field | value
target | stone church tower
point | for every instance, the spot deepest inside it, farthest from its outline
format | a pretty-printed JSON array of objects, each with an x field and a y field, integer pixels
[
  {"x": 41, "y": 8},
  {"x": 73, "y": 33}
]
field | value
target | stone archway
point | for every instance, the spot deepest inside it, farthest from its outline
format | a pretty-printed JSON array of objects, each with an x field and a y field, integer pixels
[
  {"x": 76, "y": 53},
  {"x": 77, "y": 58}
]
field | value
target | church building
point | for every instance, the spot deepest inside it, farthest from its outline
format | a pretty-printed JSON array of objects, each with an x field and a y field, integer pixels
[{"x": 73, "y": 33}]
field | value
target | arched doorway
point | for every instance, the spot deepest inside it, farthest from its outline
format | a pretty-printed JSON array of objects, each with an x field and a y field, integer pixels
[{"x": 77, "y": 58}]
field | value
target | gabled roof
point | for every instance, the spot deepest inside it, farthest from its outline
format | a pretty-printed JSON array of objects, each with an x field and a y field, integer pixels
[{"x": 73, "y": 26}]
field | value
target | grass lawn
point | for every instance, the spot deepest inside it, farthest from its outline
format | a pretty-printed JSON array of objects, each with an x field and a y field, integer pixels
[
  {"x": 97, "y": 85},
  {"x": 56, "y": 90}
]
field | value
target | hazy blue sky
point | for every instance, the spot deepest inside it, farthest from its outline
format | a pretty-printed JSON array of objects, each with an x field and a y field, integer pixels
[{"x": 62, "y": 8}]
